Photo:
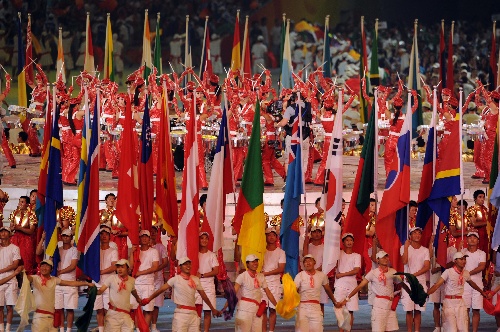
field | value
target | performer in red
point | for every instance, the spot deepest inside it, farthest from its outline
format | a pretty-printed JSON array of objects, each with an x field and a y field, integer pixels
[
  {"x": 5, "y": 142},
  {"x": 119, "y": 105},
  {"x": 119, "y": 232},
  {"x": 396, "y": 121},
  {"x": 23, "y": 222},
  {"x": 477, "y": 217},
  {"x": 271, "y": 143},
  {"x": 490, "y": 117},
  {"x": 73, "y": 145},
  {"x": 38, "y": 98},
  {"x": 108, "y": 119},
  {"x": 4, "y": 199}
]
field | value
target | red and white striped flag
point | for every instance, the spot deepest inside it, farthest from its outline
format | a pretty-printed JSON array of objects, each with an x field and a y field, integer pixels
[
  {"x": 188, "y": 239},
  {"x": 332, "y": 194}
]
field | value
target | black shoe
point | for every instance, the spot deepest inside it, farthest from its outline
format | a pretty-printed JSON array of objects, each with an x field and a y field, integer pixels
[
  {"x": 475, "y": 177},
  {"x": 13, "y": 166},
  {"x": 269, "y": 184},
  {"x": 485, "y": 182}
]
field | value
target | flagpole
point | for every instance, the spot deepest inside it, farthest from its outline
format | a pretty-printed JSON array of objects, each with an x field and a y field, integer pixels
[
  {"x": 375, "y": 159},
  {"x": 301, "y": 141},
  {"x": 410, "y": 142},
  {"x": 461, "y": 161},
  {"x": 244, "y": 49},
  {"x": 186, "y": 48},
  {"x": 434, "y": 149},
  {"x": 327, "y": 22},
  {"x": 203, "y": 47}
]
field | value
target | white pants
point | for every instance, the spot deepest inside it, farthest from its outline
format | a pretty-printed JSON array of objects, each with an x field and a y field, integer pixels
[
  {"x": 277, "y": 291},
  {"x": 455, "y": 316},
  {"x": 384, "y": 320},
  {"x": 247, "y": 321},
  {"x": 43, "y": 323},
  {"x": 116, "y": 321},
  {"x": 341, "y": 293},
  {"x": 309, "y": 318},
  {"x": 185, "y": 321}
]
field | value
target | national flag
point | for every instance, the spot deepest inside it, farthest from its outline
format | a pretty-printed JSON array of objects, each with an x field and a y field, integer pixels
[
  {"x": 206, "y": 62},
  {"x": 22, "y": 99},
  {"x": 29, "y": 72},
  {"x": 492, "y": 68},
  {"x": 327, "y": 60},
  {"x": 332, "y": 194},
  {"x": 447, "y": 182},
  {"x": 166, "y": 197},
  {"x": 60, "y": 56},
  {"x": 146, "y": 187},
  {"x": 221, "y": 184},
  {"x": 53, "y": 191},
  {"x": 374, "y": 73},
  {"x": 188, "y": 239},
  {"x": 414, "y": 83},
  {"x": 358, "y": 214},
  {"x": 127, "y": 207},
  {"x": 249, "y": 215},
  {"x": 425, "y": 213},
  {"x": 81, "y": 209},
  {"x": 493, "y": 212},
  {"x": 363, "y": 63},
  {"x": 442, "y": 59},
  {"x": 157, "y": 61},
  {"x": 146, "y": 47},
  {"x": 392, "y": 223},
  {"x": 286, "y": 66},
  {"x": 236, "y": 52},
  {"x": 449, "y": 65},
  {"x": 290, "y": 229},
  {"x": 88, "y": 65},
  {"x": 246, "y": 57},
  {"x": 88, "y": 232},
  {"x": 109, "y": 67}
]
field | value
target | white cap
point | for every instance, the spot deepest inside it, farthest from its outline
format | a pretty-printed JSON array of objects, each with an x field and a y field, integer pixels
[
  {"x": 458, "y": 255},
  {"x": 346, "y": 235},
  {"x": 122, "y": 261},
  {"x": 381, "y": 254},
  {"x": 413, "y": 229},
  {"x": 204, "y": 233},
  {"x": 3, "y": 228},
  {"x": 251, "y": 258},
  {"x": 184, "y": 260},
  {"x": 355, "y": 102},
  {"x": 316, "y": 228},
  {"x": 144, "y": 232},
  {"x": 271, "y": 229},
  {"x": 67, "y": 232},
  {"x": 473, "y": 233},
  {"x": 105, "y": 228},
  {"x": 436, "y": 65},
  {"x": 308, "y": 256},
  {"x": 48, "y": 262}
]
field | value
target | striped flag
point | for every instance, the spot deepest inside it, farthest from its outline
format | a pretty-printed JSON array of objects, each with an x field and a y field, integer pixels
[
  {"x": 286, "y": 66},
  {"x": 146, "y": 187},
  {"x": 88, "y": 232},
  {"x": 221, "y": 184},
  {"x": 81, "y": 209},
  {"x": 127, "y": 207},
  {"x": 166, "y": 207},
  {"x": 22, "y": 99},
  {"x": 88, "y": 65},
  {"x": 249, "y": 220},
  {"x": 60, "y": 56},
  {"x": 332, "y": 195},
  {"x": 236, "y": 53},
  {"x": 53, "y": 191},
  {"x": 146, "y": 47},
  {"x": 188, "y": 239},
  {"x": 109, "y": 68}
]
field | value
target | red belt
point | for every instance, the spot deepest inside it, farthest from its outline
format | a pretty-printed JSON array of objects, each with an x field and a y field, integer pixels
[
  {"x": 112, "y": 307},
  {"x": 250, "y": 300},
  {"x": 180, "y": 306},
  {"x": 40, "y": 311},
  {"x": 453, "y": 297},
  {"x": 310, "y": 301},
  {"x": 384, "y": 297}
]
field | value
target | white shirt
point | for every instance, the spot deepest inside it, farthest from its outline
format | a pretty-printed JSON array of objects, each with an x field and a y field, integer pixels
[
  {"x": 120, "y": 299},
  {"x": 317, "y": 252},
  {"x": 8, "y": 254},
  {"x": 67, "y": 256},
  {"x": 347, "y": 262},
  {"x": 472, "y": 262},
  {"x": 303, "y": 283},
  {"x": 207, "y": 261},
  {"x": 416, "y": 260},
  {"x": 380, "y": 288},
  {"x": 184, "y": 294},
  {"x": 272, "y": 259},
  {"x": 147, "y": 258},
  {"x": 108, "y": 258},
  {"x": 451, "y": 281},
  {"x": 259, "y": 50},
  {"x": 248, "y": 290}
]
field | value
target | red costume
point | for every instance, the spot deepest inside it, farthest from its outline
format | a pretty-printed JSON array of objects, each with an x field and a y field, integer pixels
[
  {"x": 269, "y": 160},
  {"x": 26, "y": 242},
  {"x": 118, "y": 231}
]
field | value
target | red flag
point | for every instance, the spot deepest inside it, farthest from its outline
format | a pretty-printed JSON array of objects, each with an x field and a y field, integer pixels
[
  {"x": 127, "y": 205},
  {"x": 449, "y": 68},
  {"x": 166, "y": 197},
  {"x": 188, "y": 240}
]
